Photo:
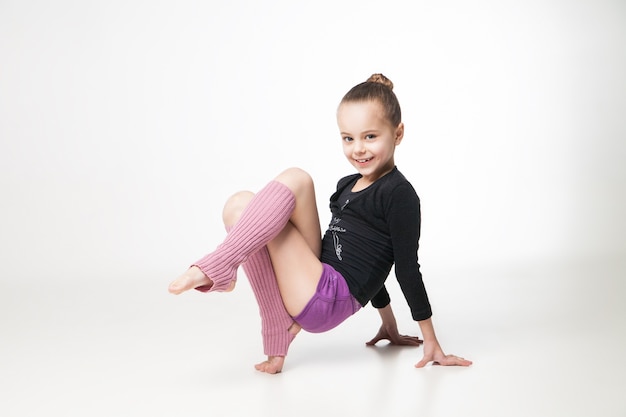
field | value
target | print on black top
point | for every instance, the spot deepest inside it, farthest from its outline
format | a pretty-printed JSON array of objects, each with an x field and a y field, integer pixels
[{"x": 372, "y": 230}]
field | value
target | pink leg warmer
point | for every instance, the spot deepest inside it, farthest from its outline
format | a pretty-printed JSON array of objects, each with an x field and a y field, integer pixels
[
  {"x": 262, "y": 220},
  {"x": 275, "y": 321}
]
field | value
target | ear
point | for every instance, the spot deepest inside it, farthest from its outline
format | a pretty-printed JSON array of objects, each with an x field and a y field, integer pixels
[{"x": 399, "y": 133}]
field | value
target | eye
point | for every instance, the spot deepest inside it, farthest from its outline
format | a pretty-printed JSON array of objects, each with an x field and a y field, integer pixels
[
  {"x": 347, "y": 139},
  {"x": 370, "y": 136}
]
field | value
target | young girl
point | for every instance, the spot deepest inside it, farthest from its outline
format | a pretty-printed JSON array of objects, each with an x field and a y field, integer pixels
[{"x": 303, "y": 282}]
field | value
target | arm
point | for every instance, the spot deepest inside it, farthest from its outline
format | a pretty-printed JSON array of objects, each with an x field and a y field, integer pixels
[
  {"x": 389, "y": 330},
  {"x": 432, "y": 349},
  {"x": 404, "y": 224}
]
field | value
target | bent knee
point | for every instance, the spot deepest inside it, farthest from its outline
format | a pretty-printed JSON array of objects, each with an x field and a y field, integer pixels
[
  {"x": 234, "y": 206},
  {"x": 295, "y": 178}
]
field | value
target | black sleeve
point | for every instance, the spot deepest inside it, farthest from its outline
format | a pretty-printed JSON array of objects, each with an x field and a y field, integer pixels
[
  {"x": 404, "y": 219},
  {"x": 381, "y": 299}
]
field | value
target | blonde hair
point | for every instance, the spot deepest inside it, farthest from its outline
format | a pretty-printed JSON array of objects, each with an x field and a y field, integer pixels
[{"x": 377, "y": 88}]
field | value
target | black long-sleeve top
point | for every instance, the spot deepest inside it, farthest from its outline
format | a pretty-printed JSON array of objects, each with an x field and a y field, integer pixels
[{"x": 370, "y": 231}]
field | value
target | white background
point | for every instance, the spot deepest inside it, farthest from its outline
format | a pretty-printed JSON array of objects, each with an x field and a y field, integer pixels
[{"x": 124, "y": 125}]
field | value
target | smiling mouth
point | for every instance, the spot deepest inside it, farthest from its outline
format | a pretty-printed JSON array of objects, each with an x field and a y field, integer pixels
[{"x": 362, "y": 161}]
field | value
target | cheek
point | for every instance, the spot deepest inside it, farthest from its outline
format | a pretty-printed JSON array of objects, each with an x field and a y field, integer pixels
[
  {"x": 379, "y": 149},
  {"x": 388, "y": 148}
]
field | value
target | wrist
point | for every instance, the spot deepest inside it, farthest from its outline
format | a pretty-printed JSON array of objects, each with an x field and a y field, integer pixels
[
  {"x": 428, "y": 331},
  {"x": 430, "y": 341}
]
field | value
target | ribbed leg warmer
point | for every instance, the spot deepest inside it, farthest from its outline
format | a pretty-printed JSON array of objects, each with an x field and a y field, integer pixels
[
  {"x": 275, "y": 321},
  {"x": 262, "y": 220}
]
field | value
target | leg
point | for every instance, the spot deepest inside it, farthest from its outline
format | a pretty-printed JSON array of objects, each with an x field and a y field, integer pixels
[
  {"x": 296, "y": 250},
  {"x": 260, "y": 222},
  {"x": 305, "y": 216},
  {"x": 277, "y": 326},
  {"x": 300, "y": 241},
  {"x": 290, "y": 198}
]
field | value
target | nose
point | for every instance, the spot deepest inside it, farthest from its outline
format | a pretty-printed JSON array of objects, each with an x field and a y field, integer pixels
[{"x": 359, "y": 147}]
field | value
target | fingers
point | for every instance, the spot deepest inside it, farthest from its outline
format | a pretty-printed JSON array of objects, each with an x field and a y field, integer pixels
[
  {"x": 462, "y": 362},
  {"x": 407, "y": 342},
  {"x": 452, "y": 360},
  {"x": 422, "y": 363},
  {"x": 411, "y": 340},
  {"x": 374, "y": 341},
  {"x": 399, "y": 341},
  {"x": 448, "y": 360}
]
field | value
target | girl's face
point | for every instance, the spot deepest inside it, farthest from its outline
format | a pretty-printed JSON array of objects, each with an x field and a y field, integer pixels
[{"x": 369, "y": 139}]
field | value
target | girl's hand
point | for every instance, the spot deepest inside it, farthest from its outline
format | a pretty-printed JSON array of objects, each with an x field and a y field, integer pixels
[
  {"x": 389, "y": 331},
  {"x": 434, "y": 354},
  {"x": 394, "y": 337}
]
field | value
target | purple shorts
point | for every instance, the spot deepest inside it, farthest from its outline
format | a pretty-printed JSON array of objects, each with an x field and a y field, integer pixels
[{"x": 331, "y": 304}]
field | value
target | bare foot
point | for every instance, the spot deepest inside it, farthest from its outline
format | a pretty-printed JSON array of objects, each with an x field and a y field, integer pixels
[
  {"x": 193, "y": 278},
  {"x": 274, "y": 364}
]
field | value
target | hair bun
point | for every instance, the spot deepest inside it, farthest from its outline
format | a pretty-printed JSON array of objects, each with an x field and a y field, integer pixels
[{"x": 380, "y": 79}]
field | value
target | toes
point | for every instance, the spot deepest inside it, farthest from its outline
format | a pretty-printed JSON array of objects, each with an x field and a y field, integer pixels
[
  {"x": 272, "y": 366},
  {"x": 177, "y": 287},
  {"x": 265, "y": 367}
]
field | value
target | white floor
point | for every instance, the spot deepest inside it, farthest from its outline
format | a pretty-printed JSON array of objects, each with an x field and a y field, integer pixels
[{"x": 547, "y": 340}]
